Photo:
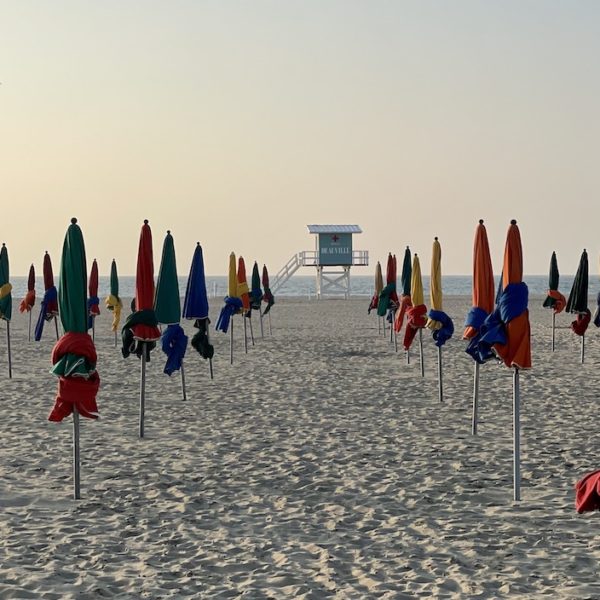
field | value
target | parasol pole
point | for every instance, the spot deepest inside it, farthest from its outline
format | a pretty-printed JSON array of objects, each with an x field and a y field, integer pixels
[
  {"x": 231, "y": 341},
  {"x": 56, "y": 327},
  {"x": 378, "y": 324},
  {"x": 391, "y": 326},
  {"x": 210, "y": 367},
  {"x": 183, "y": 393},
  {"x": 93, "y": 328},
  {"x": 475, "y": 398},
  {"x": 76, "y": 456},
  {"x": 29, "y": 336},
  {"x": 408, "y": 357},
  {"x": 516, "y": 436},
  {"x": 250, "y": 323},
  {"x": 421, "y": 351},
  {"x": 262, "y": 332},
  {"x": 115, "y": 339},
  {"x": 440, "y": 373},
  {"x": 245, "y": 334},
  {"x": 8, "y": 349},
  {"x": 270, "y": 329},
  {"x": 582, "y": 348},
  {"x": 143, "y": 389},
  {"x": 553, "y": 328}
]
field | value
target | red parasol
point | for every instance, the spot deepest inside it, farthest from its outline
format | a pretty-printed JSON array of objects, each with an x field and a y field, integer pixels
[
  {"x": 52, "y": 306},
  {"x": 94, "y": 303},
  {"x": 29, "y": 301},
  {"x": 144, "y": 287}
]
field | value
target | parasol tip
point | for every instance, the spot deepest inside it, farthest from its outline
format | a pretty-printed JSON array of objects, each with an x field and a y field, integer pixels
[
  {"x": 73, "y": 220},
  {"x": 481, "y": 221},
  {"x": 513, "y": 222},
  {"x": 435, "y": 238},
  {"x": 145, "y": 221},
  {"x": 197, "y": 243},
  {"x": 168, "y": 232}
]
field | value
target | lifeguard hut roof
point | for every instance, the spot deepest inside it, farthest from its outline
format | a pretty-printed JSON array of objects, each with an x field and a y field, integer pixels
[{"x": 334, "y": 229}]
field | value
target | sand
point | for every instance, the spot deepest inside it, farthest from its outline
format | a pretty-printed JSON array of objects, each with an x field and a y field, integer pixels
[{"x": 319, "y": 465}]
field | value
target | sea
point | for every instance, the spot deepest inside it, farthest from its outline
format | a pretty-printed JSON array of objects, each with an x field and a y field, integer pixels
[{"x": 305, "y": 286}]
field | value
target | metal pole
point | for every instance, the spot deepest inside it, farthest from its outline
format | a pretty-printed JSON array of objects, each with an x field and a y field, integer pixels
[
  {"x": 408, "y": 357},
  {"x": 391, "y": 326},
  {"x": 115, "y": 339},
  {"x": 245, "y": 334},
  {"x": 210, "y": 367},
  {"x": 183, "y": 394},
  {"x": 76, "y": 456},
  {"x": 421, "y": 352},
  {"x": 251, "y": 330},
  {"x": 56, "y": 327},
  {"x": 231, "y": 341},
  {"x": 395, "y": 342},
  {"x": 270, "y": 329},
  {"x": 262, "y": 332},
  {"x": 143, "y": 390},
  {"x": 440, "y": 374},
  {"x": 553, "y": 328},
  {"x": 29, "y": 336},
  {"x": 516, "y": 436},
  {"x": 8, "y": 349},
  {"x": 93, "y": 329},
  {"x": 582, "y": 348},
  {"x": 378, "y": 324},
  {"x": 475, "y": 399}
]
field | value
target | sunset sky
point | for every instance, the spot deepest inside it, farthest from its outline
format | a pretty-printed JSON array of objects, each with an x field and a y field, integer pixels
[{"x": 237, "y": 123}]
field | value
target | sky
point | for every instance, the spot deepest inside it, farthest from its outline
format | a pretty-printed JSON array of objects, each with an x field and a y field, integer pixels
[{"x": 236, "y": 123}]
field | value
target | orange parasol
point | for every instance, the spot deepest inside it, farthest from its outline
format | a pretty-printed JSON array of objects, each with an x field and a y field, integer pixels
[{"x": 516, "y": 352}]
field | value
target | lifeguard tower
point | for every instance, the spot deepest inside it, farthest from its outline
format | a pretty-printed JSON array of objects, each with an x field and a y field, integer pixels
[{"x": 333, "y": 256}]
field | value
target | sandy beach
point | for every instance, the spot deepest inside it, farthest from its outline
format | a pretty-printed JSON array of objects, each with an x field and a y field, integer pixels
[{"x": 319, "y": 465}]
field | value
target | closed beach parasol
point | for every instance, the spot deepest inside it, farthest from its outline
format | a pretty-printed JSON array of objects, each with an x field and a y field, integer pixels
[
  {"x": 483, "y": 305},
  {"x": 256, "y": 295},
  {"x": 28, "y": 302},
  {"x": 267, "y": 296},
  {"x": 168, "y": 312},
  {"x": 49, "y": 304},
  {"x": 378, "y": 287},
  {"x": 416, "y": 314},
  {"x": 578, "y": 301},
  {"x": 233, "y": 305},
  {"x": 388, "y": 298},
  {"x": 140, "y": 331},
  {"x": 554, "y": 300},
  {"x": 507, "y": 330},
  {"x": 6, "y": 300},
  {"x": 195, "y": 306},
  {"x": 439, "y": 322},
  {"x": 243, "y": 293},
  {"x": 405, "y": 297},
  {"x": 93, "y": 300},
  {"x": 113, "y": 301},
  {"x": 74, "y": 356}
]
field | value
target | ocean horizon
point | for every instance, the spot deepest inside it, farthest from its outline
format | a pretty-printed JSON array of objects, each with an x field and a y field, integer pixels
[{"x": 305, "y": 286}]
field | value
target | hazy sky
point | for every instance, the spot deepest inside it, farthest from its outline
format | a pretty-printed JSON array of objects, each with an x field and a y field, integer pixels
[{"x": 236, "y": 123}]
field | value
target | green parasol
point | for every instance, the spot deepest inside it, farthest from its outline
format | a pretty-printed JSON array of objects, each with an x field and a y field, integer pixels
[
  {"x": 74, "y": 356},
  {"x": 167, "y": 304}
]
